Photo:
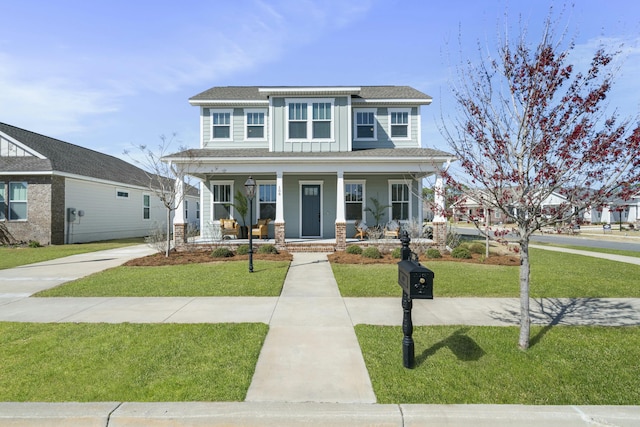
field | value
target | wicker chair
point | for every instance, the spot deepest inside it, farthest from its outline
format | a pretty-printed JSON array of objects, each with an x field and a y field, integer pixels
[
  {"x": 261, "y": 229},
  {"x": 229, "y": 228},
  {"x": 361, "y": 230},
  {"x": 392, "y": 229}
]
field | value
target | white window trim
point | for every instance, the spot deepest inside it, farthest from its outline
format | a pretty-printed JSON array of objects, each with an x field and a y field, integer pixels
[
  {"x": 213, "y": 203},
  {"x": 310, "y": 102},
  {"x": 221, "y": 110},
  {"x": 146, "y": 207},
  {"x": 264, "y": 125},
  {"x": 400, "y": 110},
  {"x": 257, "y": 201},
  {"x": 3, "y": 195},
  {"x": 390, "y": 208},
  {"x": 122, "y": 197},
  {"x": 9, "y": 201},
  {"x": 375, "y": 123},
  {"x": 364, "y": 197}
]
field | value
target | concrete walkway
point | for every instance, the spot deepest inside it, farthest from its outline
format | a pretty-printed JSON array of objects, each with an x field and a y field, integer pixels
[{"x": 310, "y": 371}]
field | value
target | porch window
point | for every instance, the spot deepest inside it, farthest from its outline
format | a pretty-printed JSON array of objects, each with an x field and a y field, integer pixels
[
  {"x": 267, "y": 201},
  {"x": 221, "y": 124},
  {"x": 17, "y": 201},
  {"x": 366, "y": 124},
  {"x": 400, "y": 203},
  {"x": 221, "y": 196},
  {"x": 146, "y": 206},
  {"x": 399, "y": 121},
  {"x": 254, "y": 124},
  {"x": 354, "y": 200},
  {"x": 3, "y": 203}
]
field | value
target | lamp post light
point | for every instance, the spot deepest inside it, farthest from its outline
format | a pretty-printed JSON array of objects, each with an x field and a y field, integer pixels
[{"x": 250, "y": 188}]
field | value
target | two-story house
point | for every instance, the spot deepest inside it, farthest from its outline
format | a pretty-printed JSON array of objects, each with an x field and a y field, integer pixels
[{"x": 318, "y": 155}]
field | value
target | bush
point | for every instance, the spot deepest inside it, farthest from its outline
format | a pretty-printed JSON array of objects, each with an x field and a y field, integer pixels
[
  {"x": 461, "y": 253},
  {"x": 267, "y": 249},
  {"x": 34, "y": 244},
  {"x": 242, "y": 250},
  {"x": 433, "y": 253},
  {"x": 396, "y": 253},
  {"x": 371, "y": 252},
  {"x": 354, "y": 249},
  {"x": 476, "y": 248},
  {"x": 221, "y": 253}
]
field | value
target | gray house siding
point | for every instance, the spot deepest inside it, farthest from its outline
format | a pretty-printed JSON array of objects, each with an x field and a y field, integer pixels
[
  {"x": 238, "y": 129},
  {"x": 383, "y": 136}
]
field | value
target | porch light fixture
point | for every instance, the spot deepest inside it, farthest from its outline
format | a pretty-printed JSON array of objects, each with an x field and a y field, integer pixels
[{"x": 250, "y": 189}]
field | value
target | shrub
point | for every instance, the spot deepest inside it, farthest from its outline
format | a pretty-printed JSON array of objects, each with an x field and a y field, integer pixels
[
  {"x": 371, "y": 252},
  {"x": 476, "y": 248},
  {"x": 433, "y": 253},
  {"x": 242, "y": 250},
  {"x": 34, "y": 244},
  {"x": 461, "y": 253},
  {"x": 396, "y": 253},
  {"x": 221, "y": 253},
  {"x": 267, "y": 249},
  {"x": 354, "y": 249}
]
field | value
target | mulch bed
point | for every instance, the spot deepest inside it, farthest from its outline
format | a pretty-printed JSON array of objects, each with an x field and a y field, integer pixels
[{"x": 190, "y": 257}]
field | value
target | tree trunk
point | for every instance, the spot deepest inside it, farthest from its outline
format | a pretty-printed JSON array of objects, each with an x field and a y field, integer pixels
[
  {"x": 525, "y": 316},
  {"x": 168, "y": 233}
]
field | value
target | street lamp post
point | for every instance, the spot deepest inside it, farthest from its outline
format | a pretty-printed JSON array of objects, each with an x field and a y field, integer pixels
[{"x": 250, "y": 188}]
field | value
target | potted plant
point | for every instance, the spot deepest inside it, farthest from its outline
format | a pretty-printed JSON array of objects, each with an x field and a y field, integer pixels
[
  {"x": 241, "y": 205},
  {"x": 377, "y": 211}
]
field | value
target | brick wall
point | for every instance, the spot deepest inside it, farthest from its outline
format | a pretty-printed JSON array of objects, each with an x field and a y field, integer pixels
[{"x": 37, "y": 227}]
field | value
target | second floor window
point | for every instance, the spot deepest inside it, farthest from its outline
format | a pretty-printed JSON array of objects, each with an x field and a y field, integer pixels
[
  {"x": 298, "y": 120},
  {"x": 399, "y": 121},
  {"x": 310, "y": 119},
  {"x": 220, "y": 124},
  {"x": 255, "y": 125},
  {"x": 321, "y": 120},
  {"x": 365, "y": 125}
]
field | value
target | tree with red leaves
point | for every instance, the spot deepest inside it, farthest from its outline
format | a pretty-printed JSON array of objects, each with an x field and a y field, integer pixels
[{"x": 529, "y": 125}]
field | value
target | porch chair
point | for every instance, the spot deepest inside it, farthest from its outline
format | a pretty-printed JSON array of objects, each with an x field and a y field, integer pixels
[
  {"x": 392, "y": 229},
  {"x": 229, "y": 228},
  {"x": 361, "y": 230},
  {"x": 261, "y": 229}
]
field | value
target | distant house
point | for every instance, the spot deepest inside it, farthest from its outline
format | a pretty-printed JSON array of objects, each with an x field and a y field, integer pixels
[
  {"x": 318, "y": 154},
  {"x": 54, "y": 192}
]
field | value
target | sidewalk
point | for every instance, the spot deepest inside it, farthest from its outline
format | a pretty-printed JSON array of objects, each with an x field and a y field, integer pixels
[{"x": 310, "y": 370}]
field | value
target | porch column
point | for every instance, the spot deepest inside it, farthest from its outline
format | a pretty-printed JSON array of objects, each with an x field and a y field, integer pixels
[
  {"x": 179, "y": 223},
  {"x": 439, "y": 219},
  {"x": 341, "y": 222},
  {"x": 279, "y": 224}
]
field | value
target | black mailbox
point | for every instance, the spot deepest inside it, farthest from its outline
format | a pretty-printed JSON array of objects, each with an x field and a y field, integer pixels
[{"x": 415, "y": 279}]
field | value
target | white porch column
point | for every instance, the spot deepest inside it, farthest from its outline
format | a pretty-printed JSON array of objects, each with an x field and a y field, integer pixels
[
  {"x": 279, "y": 198},
  {"x": 340, "y": 214},
  {"x": 438, "y": 199},
  {"x": 606, "y": 215},
  {"x": 178, "y": 217}
]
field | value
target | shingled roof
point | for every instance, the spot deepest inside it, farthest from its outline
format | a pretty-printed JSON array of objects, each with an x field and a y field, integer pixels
[
  {"x": 253, "y": 93},
  {"x": 63, "y": 157}
]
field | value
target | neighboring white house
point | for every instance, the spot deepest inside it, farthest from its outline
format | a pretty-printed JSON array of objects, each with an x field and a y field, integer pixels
[
  {"x": 55, "y": 192},
  {"x": 318, "y": 154}
]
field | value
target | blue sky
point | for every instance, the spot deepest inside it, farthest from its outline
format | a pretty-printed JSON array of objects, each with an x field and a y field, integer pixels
[{"x": 109, "y": 74}]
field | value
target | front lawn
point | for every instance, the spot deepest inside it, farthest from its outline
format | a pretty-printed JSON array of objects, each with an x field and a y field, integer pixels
[
  {"x": 227, "y": 278},
  {"x": 553, "y": 274},
  {"x": 482, "y": 365},
  {"x": 64, "y": 362}
]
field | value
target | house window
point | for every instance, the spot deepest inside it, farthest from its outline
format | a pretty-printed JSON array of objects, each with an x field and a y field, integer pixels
[
  {"x": 221, "y": 196},
  {"x": 400, "y": 203},
  {"x": 366, "y": 124},
  {"x": 197, "y": 210},
  {"x": 399, "y": 121},
  {"x": 321, "y": 120},
  {"x": 3, "y": 203},
  {"x": 186, "y": 209},
  {"x": 146, "y": 206},
  {"x": 221, "y": 124},
  {"x": 320, "y": 127},
  {"x": 354, "y": 200},
  {"x": 267, "y": 201},
  {"x": 254, "y": 124},
  {"x": 297, "y": 121},
  {"x": 122, "y": 194},
  {"x": 17, "y": 201}
]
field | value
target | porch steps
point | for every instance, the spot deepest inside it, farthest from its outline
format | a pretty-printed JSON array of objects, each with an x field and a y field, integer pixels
[{"x": 310, "y": 247}]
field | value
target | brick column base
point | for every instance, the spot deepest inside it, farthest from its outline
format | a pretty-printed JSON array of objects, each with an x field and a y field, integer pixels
[
  {"x": 440, "y": 235},
  {"x": 278, "y": 228},
  {"x": 341, "y": 236},
  {"x": 179, "y": 235}
]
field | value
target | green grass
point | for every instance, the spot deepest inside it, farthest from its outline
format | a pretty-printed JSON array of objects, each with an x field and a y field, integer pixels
[
  {"x": 482, "y": 365},
  {"x": 590, "y": 249},
  {"x": 229, "y": 278},
  {"x": 128, "y": 362},
  {"x": 15, "y": 256},
  {"x": 553, "y": 274}
]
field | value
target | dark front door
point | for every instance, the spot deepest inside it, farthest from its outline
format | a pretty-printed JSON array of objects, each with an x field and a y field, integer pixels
[{"x": 311, "y": 210}]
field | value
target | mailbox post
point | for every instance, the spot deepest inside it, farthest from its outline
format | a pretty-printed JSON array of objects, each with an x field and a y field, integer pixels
[{"x": 416, "y": 281}]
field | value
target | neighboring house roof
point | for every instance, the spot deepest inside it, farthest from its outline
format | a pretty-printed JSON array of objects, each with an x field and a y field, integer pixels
[
  {"x": 261, "y": 93},
  {"x": 63, "y": 157}
]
